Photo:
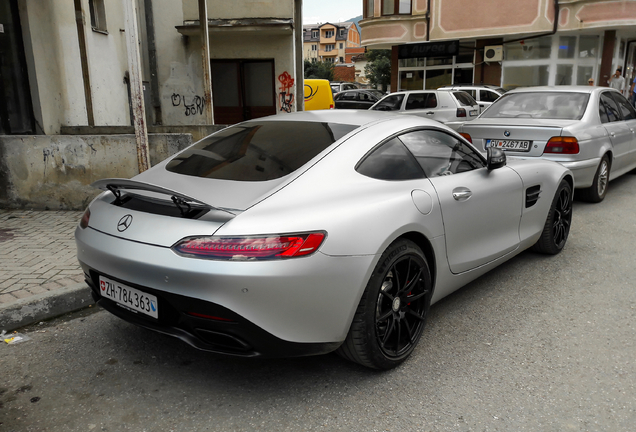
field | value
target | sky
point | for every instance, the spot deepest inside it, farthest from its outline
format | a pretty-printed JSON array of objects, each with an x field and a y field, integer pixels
[{"x": 320, "y": 11}]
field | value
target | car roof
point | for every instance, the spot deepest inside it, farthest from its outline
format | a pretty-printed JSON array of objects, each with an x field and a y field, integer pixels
[
  {"x": 351, "y": 117},
  {"x": 561, "y": 89}
]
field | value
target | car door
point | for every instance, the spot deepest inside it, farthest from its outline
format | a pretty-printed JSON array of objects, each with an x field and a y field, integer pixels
[
  {"x": 346, "y": 100},
  {"x": 619, "y": 134},
  {"x": 629, "y": 117},
  {"x": 481, "y": 209},
  {"x": 423, "y": 104},
  {"x": 486, "y": 98}
]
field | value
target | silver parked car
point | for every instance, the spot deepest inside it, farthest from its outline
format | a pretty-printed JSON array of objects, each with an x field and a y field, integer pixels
[
  {"x": 590, "y": 130},
  {"x": 449, "y": 107},
  {"x": 310, "y": 232}
]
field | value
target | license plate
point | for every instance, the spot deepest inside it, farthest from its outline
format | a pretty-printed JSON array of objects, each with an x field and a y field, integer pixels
[
  {"x": 472, "y": 113},
  {"x": 130, "y": 298},
  {"x": 509, "y": 145}
]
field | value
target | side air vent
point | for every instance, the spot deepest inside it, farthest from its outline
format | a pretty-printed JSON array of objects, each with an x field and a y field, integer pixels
[{"x": 532, "y": 195}]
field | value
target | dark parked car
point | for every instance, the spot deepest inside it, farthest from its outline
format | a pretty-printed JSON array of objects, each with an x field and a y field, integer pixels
[{"x": 357, "y": 99}]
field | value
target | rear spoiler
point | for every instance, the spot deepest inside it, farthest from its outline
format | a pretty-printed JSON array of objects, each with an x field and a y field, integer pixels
[{"x": 116, "y": 185}]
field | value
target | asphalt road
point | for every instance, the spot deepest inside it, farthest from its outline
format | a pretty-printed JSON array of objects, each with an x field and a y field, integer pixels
[{"x": 539, "y": 344}]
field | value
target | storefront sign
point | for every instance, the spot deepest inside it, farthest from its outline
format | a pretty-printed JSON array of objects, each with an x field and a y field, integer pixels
[{"x": 428, "y": 49}]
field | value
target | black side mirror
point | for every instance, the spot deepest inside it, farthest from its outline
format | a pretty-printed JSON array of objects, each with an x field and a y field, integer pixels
[{"x": 495, "y": 158}]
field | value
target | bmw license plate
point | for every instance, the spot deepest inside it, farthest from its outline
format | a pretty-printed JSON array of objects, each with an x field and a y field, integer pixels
[
  {"x": 128, "y": 297},
  {"x": 523, "y": 146}
]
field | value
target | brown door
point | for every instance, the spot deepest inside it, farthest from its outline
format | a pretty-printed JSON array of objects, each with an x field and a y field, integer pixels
[{"x": 242, "y": 90}]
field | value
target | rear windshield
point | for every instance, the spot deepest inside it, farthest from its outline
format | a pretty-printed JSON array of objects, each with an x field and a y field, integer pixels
[
  {"x": 541, "y": 105},
  {"x": 257, "y": 151},
  {"x": 464, "y": 98}
]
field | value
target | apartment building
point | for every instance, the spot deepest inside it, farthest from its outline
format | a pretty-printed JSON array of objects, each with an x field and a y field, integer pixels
[
  {"x": 507, "y": 43},
  {"x": 328, "y": 42}
]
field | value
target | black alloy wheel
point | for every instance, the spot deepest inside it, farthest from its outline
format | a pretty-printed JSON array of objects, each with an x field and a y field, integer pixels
[
  {"x": 392, "y": 312},
  {"x": 557, "y": 225}
]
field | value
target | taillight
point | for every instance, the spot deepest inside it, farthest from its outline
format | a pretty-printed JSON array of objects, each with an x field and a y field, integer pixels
[
  {"x": 461, "y": 112},
  {"x": 467, "y": 136},
  {"x": 85, "y": 217},
  {"x": 331, "y": 106},
  {"x": 251, "y": 247},
  {"x": 562, "y": 145}
]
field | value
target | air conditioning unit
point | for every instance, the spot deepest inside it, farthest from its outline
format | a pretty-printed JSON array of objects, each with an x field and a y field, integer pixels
[{"x": 493, "y": 53}]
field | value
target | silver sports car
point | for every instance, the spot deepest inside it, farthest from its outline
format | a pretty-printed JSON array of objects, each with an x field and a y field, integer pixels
[
  {"x": 311, "y": 232},
  {"x": 590, "y": 130}
]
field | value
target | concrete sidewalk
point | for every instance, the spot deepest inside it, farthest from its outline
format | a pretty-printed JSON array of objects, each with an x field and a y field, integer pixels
[{"x": 40, "y": 277}]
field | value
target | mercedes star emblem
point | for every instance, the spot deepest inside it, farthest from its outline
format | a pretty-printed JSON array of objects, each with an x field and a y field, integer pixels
[
  {"x": 507, "y": 133},
  {"x": 124, "y": 223}
]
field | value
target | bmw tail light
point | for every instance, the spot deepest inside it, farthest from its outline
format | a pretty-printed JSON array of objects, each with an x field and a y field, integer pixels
[
  {"x": 467, "y": 136},
  {"x": 248, "y": 248},
  {"x": 85, "y": 217},
  {"x": 461, "y": 112},
  {"x": 562, "y": 145}
]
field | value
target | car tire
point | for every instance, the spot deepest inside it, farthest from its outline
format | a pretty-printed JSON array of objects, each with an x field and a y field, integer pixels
[
  {"x": 392, "y": 312},
  {"x": 557, "y": 225},
  {"x": 596, "y": 192}
]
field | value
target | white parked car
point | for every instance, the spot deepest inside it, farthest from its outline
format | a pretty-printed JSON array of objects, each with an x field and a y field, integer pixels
[
  {"x": 452, "y": 108},
  {"x": 484, "y": 94}
]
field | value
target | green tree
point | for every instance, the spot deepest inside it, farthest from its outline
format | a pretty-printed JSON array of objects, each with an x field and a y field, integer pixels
[
  {"x": 378, "y": 68},
  {"x": 319, "y": 70}
]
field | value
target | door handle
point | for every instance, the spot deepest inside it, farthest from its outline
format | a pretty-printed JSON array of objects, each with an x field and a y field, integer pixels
[
  {"x": 430, "y": 113},
  {"x": 462, "y": 194},
  {"x": 612, "y": 134}
]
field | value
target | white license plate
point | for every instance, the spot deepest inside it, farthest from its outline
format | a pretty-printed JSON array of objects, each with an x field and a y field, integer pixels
[
  {"x": 509, "y": 144},
  {"x": 128, "y": 297},
  {"x": 472, "y": 113}
]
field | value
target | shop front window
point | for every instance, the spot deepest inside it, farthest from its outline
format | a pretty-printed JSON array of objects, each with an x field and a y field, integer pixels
[
  {"x": 526, "y": 76},
  {"x": 531, "y": 49},
  {"x": 567, "y": 47},
  {"x": 563, "y": 74},
  {"x": 584, "y": 74},
  {"x": 412, "y": 80},
  {"x": 436, "y": 78}
]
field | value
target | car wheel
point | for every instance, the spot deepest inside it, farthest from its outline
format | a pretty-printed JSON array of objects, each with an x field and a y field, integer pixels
[
  {"x": 392, "y": 312},
  {"x": 557, "y": 225},
  {"x": 596, "y": 192}
]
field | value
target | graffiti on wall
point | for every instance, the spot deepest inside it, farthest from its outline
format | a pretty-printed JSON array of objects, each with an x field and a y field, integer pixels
[
  {"x": 285, "y": 96},
  {"x": 196, "y": 106}
]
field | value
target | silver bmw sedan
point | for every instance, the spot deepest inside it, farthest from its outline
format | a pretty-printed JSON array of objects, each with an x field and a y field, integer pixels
[
  {"x": 590, "y": 130},
  {"x": 313, "y": 232}
]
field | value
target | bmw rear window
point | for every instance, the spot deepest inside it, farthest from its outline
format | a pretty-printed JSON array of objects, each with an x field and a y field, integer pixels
[
  {"x": 257, "y": 151},
  {"x": 542, "y": 105}
]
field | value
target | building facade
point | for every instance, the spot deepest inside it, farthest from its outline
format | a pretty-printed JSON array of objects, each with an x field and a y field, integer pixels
[
  {"x": 508, "y": 43},
  {"x": 328, "y": 42}
]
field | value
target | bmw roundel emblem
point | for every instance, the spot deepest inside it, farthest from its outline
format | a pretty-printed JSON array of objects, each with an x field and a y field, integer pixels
[
  {"x": 507, "y": 133},
  {"x": 124, "y": 223}
]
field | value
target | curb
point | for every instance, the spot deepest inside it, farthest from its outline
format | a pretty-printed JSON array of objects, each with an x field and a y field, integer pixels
[{"x": 45, "y": 306}]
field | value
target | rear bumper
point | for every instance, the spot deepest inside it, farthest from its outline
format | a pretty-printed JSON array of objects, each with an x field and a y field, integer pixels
[
  {"x": 308, "y": 300},
  {"x": 583, "y": 171},
  {"x": 235, "y": 337}
]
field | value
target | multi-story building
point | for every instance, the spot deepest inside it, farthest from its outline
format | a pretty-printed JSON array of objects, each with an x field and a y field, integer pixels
[
  {"x": 502, "y": 42},
  {"x": 328, "y": 42}
]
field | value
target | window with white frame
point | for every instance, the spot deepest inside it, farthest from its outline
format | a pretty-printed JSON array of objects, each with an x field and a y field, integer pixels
[
  {"x": 434, "y": 72},
  {"x": 329, "y": 47},
  {"x": 314, "y": 47},
  {"x": 314, "y": 34},
  {"x": 551, "y": 60}
]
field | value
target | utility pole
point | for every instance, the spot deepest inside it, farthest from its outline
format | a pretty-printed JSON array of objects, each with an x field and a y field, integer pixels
[
  {"x": 205, "y": 54},
  {"x": 136, "y": 85}
]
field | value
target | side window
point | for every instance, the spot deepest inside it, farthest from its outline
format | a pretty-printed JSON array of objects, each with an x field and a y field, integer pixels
[
  {"x": 390, "y": 103},
  {"x": 626, "y": 109},
  {"x": 348, "y": 96},
  {"x": 473, "y": 93},
  {"x": 431, "y": 101},
  {"x": 488, "y": 96},
  {"x": 610, "y": 107},
  {"x": 439, "y": 153},
  {"x": 390, "y": 161},
  {"x": 364, "y": 96},
  {"x": 416, "y": 101},
  {"x": 98, "y": 15}
]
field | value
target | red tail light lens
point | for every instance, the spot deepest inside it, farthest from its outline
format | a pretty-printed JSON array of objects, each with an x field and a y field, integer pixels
[
  {"x": 461, "y": 112},
  {"x": 85, "y": 217},
  {"x": 467, "y": 136},
  {"x": 250, "y": 248},
  {"x": 562, "y": 145}
]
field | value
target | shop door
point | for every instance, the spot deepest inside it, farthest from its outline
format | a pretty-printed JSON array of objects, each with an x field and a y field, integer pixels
[
  {"x": 16, "y": 113},
  {"x": 242, "y": 90}
]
